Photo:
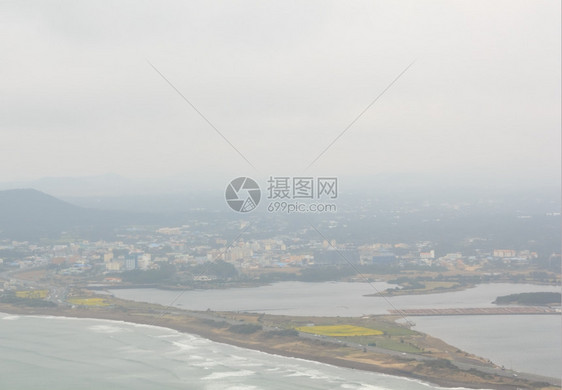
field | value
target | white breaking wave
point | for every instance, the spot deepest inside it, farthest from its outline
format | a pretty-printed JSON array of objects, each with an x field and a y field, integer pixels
[
  {"x": 107, "y": 329},
  {"x": 206, "y": 364},
  {"x": 10, "y": 318},
  {"x": 184, "y": 347},
  {"x": 362, "y": 386},
  {"x": 228, "y": 374},
  {"x": 313, "y": 374}
]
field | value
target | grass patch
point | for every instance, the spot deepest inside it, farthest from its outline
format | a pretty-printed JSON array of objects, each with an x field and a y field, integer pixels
[
  {"x": 282, "y": 333},
  {"x": 245, "y": 328},
  {"x": 446, "y": 364},
  {"x": 392, "y": 329},
  {"x": 216, "y": 324},
  {"x": 440, "y": 285},
  {"x": 395, "y": 345},
  {"x": 29, "y": 302}
]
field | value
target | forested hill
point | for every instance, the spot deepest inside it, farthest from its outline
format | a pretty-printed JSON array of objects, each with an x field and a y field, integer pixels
[{"x": 535, "y": 298}]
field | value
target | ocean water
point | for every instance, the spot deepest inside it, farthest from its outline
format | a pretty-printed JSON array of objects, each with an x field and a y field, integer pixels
[{"x": 70, "y": 353}]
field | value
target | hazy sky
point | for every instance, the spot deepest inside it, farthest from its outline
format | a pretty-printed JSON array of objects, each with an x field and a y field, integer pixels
[{"x": 280, "y": 80}]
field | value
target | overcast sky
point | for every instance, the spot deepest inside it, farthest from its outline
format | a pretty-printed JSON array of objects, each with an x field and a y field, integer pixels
[{"x": 280, "y": 80}]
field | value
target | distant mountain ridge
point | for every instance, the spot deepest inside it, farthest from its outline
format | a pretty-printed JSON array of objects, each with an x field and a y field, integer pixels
[
  {"x": 110, "y": 185},
  {"x": 28, "y": 214},
  {"x": 91, "y": 185}
]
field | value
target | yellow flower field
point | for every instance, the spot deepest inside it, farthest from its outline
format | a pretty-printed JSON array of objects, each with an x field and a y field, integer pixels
[
  {"x": 88, "y": 301},
  {"x": 32, "y": 294},
  {"x": 339, "y": 330}
]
